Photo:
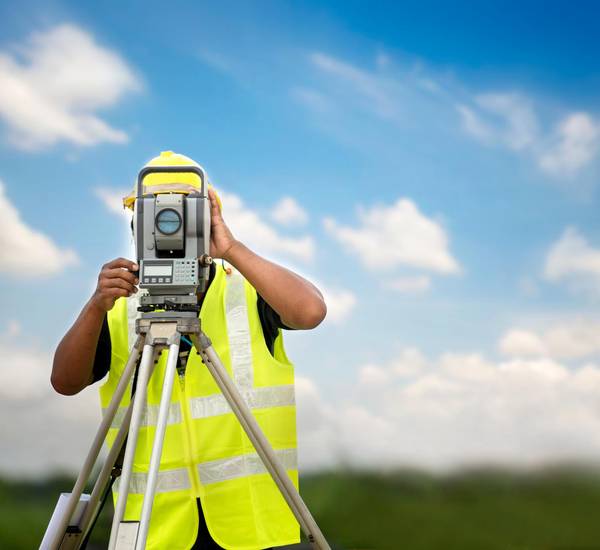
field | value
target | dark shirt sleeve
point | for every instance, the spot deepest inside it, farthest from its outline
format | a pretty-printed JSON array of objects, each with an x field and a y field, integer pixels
[
  {"x": 270, "y": 322},
  {"x": 103, "y": 352}
]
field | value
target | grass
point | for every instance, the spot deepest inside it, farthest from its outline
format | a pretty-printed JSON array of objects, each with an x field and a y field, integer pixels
[
  {"x": 470, "y": 510},
  {"x": 485, "y": 509}
]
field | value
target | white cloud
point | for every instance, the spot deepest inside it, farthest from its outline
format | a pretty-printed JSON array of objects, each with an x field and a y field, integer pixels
[
  {"x": 410, "y": 285},
  {"x": 456, "y": 409},
  {"x": 573, "y": 260},
  {"x": 408, "y": 362},
  {"x": 252, "y": 229},
  {"x": 52, "y": 85},
  {"x": 460, "y": 409},
  {"x": 398, "y": 235},
  {"x": 25, "y": 252},
  {"x": 35, "y": 443},
  {"x": 575, "y": 143},
  {"x": 522, "y": 343},
  {"x": 372, "y": 374},
  {"x": 573, "y": 339},
  {"x": 288, "y": 212}
]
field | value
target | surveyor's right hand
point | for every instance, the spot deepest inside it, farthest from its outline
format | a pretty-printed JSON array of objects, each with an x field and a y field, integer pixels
[{"x": 116, "y": 279}]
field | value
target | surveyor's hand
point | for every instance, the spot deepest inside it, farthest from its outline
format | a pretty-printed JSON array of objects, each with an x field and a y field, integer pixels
[
  {"x": 116, "y": 279},
  {"x": 221, "y": 239}
]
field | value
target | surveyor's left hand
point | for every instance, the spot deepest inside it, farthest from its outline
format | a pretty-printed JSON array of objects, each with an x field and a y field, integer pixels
[{"x": 221, "y": 238}]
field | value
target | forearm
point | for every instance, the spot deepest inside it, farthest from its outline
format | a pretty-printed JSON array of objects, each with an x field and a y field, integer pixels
[
  {"x": 298, "y": 302},
  {"x": 74, "y": 357}
]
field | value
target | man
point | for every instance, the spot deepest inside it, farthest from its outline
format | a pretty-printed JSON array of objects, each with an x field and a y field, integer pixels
[{"x": 213, "y": 492}]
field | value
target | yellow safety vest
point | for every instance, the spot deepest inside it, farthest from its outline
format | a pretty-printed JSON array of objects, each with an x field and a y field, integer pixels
[{"x": 206, "y": 453}]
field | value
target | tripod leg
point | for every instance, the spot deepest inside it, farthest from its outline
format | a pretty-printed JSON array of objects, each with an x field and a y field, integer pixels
[
  {"x": 159, "y": 437},
  {"x": 139, "y": 402},
  {"x": 260, "y": 442},
  {"x": 94, "y": 451}
]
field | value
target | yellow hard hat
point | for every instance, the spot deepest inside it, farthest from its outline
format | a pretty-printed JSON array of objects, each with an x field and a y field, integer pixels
[{"x": 184, "y": 182}]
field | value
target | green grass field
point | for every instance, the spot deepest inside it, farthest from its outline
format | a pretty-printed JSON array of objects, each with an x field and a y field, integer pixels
[{"x": 553, "y": 509}]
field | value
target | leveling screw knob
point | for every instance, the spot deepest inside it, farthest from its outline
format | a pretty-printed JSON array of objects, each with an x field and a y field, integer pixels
[{"x": 205, "y": 260}]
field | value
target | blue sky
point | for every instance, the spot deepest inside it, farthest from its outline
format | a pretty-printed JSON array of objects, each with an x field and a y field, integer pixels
[{"x": 438, "y": 165}]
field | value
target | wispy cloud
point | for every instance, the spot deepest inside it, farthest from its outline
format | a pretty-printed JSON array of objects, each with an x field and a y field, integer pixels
[
  {"x": 216, "y": 60},
  {"x": 26, "y": 252},
  {"x": 374, "y": 92},
  {"x": 410, "y": 285},
  {"x": 509, "y": 120},
  {"x": 504, "y": 119},
  {"x": 52, "y": 85},
  {"x": 312, "y": 99}
]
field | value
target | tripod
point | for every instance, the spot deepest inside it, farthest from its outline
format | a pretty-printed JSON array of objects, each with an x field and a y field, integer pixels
[{"x": 157, "y": 331}]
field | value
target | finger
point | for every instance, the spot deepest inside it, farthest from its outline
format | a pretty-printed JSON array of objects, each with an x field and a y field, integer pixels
[
  {"x": 117, "y": 292},
  {"x": 122, "y": 262},
  {"x": 211, "y": 195},
  {"x": 120, "y": 273},
  {"x": 119, "y": 283},
  {"x": 215, "y": 210}
]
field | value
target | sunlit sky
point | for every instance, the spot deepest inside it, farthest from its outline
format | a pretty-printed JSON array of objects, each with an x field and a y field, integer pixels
[{"x": 432, "y": 167}]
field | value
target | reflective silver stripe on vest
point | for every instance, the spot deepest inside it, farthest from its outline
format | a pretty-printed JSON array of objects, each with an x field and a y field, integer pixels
[
  {"x": 255, "y": 398},
  {"x": 150, "y": 416},
  {"x": 168, "y": 480},
  {"x": 238, "y": 331},
  {"x": 242, "y": 466}
]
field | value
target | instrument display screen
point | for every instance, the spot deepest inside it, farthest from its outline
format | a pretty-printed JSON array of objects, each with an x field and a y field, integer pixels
[{"x": 158, "y": 270}]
